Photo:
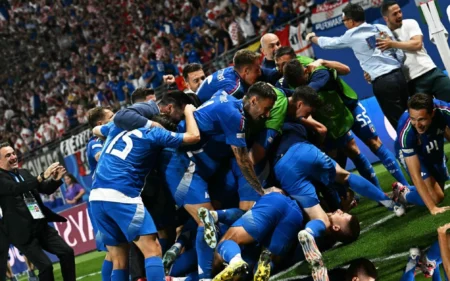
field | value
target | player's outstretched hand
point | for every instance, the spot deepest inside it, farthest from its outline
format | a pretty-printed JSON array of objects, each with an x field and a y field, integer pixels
[
  {"x": 439, "y": 210},
  {"x": 168, "y": 79},
  {"x": 50, "y": 170},
  {"x": 189, "y": 108},
  {"x": 367, "y": 77},
  {"x": 309, "y": 36},
  {"x": 273, "y": 189},
  {"x": 58, "y": 173},
  {"x": 444, "y": 228}
]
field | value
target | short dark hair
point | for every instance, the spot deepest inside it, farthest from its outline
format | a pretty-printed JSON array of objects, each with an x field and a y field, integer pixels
[
  {"x": 293, "y": 72},
  {"x": 261, "y": 90},
  {"x": 95, "y": 114},
  {"x": 354, "y": 12},
  {"x": 285, "y": 50},
  {"x": 166, "y": 122},
  {"x": 386, "y": 5},
  {"x": 192, "y": 67},
  {"x": 421, "y": 101},
  {"x": 352, "y": 234},
  {"x": 244, "y": 57},
  {"x": 179, "y": 99},
  {"x": 140, "y": 94},
  {"x": 195, "y": 101},
  {"x": 308, "y": 96},
  {"x": 361, "y": 266}
]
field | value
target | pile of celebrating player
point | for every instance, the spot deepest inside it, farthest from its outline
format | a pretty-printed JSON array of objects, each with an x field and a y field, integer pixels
[{"x": 246, "y": 176}]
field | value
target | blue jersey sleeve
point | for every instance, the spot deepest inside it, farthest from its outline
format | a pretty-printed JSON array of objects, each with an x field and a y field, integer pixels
[
  {"x": 164, "y": 138},
  {"x": 319, "y": 79},
  {"x": 233, "y": 126},
  {"x": 105, "y": 129},
  {"x": 96, "y": 147},
  {"x": 136, "y": 116},
  {"x": 406, "y": 136}
]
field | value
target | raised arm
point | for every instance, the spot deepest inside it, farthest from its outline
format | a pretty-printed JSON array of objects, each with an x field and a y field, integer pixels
[{"x": 192, "y": 134}]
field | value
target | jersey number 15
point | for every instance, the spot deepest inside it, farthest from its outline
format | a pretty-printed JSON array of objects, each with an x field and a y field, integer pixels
[{"x": 128, "y": 144}]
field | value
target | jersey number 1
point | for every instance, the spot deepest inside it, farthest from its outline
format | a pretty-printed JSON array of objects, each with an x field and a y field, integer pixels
[
  {"x": 128, "y": 144},
  {"x": 432, "y": 145}
]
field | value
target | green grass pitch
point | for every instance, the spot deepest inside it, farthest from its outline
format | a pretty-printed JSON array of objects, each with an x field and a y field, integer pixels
[{"x": 386, "y": 243}]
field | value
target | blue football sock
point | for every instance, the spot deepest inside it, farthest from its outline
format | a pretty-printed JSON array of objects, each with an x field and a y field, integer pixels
[
  {"x": 229, "y": 216},
  {"x": 434, "y": 253},
  {"x": 316, "y": 228},
  {"x": 365, "y": 188},
  {"x": 120, "y": 275},
  {"x": 164, "y": 242},
  {"x": 436, "y": 275},
  {"x": 107, "y": 268},
  {"x": 205, "y": 255},
  {"x": 391, "y": 164},
  {"x": 154, "y": 269},
  {"x": 228, "y": 249},
  {"x": 413, "y": 197},
  {"x": 365, "y": 169},
  {"x": 185, "y": 263}
]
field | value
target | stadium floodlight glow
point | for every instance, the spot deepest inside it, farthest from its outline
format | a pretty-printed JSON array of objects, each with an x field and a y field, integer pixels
[{"x": 438, "y": 33}]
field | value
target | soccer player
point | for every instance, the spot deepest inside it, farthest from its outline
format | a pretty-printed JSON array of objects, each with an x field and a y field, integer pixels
[
  {"x": 428, "y": 262},
  {"x": 222, "y": 124},
  {"x": 235, "y": 80},
  {"x": 420, "y": 148},
  {"x": 127, "y": 158},
  {"x": 98, "y": 116},
  {"x": 273, "y": 222},
  {"x": 194, "y": 76},
  {"x": 320, "y": 78},
  {"x": 139, "y": 115}
]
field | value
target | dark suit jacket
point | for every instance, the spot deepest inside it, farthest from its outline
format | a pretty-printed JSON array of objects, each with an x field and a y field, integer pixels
[{"x": 17, "y": 220}]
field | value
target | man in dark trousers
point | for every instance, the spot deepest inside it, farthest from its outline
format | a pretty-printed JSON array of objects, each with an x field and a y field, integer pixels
[
  {"x": 25, "y": 218},
  {"x": 4, "y": 248}
]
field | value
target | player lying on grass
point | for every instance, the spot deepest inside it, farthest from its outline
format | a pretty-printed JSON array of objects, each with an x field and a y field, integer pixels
[{"x": 420, "y": 148}]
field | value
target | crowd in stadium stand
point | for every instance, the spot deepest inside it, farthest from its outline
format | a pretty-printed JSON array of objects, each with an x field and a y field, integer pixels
[{"x": 63, "y": 57}]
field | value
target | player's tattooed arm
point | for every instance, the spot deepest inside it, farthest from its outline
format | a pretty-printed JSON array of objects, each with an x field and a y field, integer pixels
[{"x": 246, "y": 166}]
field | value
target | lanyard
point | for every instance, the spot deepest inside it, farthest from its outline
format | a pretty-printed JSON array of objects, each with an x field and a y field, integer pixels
[
  {"x": 19, "y": 179},
  {"x": 16, "y": 177}
]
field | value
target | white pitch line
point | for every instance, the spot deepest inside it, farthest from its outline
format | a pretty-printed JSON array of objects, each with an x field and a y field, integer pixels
[
  {"x": 89, "y": 275},
  {"x": 390, "y": 216}
]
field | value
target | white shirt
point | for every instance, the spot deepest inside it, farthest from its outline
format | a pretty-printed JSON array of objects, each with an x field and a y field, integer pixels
[
  {"x": 448, "y": 13},
  {"x": 417, "y": 62}
]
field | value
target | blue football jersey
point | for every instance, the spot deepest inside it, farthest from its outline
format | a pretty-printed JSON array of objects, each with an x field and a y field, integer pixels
[
  {"x": 94, "y": 146},
  {"x": 226, "y": 80},
  {"x": 429, "y": 145},
  {"x": 128, "y": 156}
]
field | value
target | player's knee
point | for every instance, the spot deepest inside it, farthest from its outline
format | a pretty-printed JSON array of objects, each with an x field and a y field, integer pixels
[
  {"x": 352, "y": 150},
  {"x": 149, "y": 246},
  {"x": 374, "y": 144}
]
